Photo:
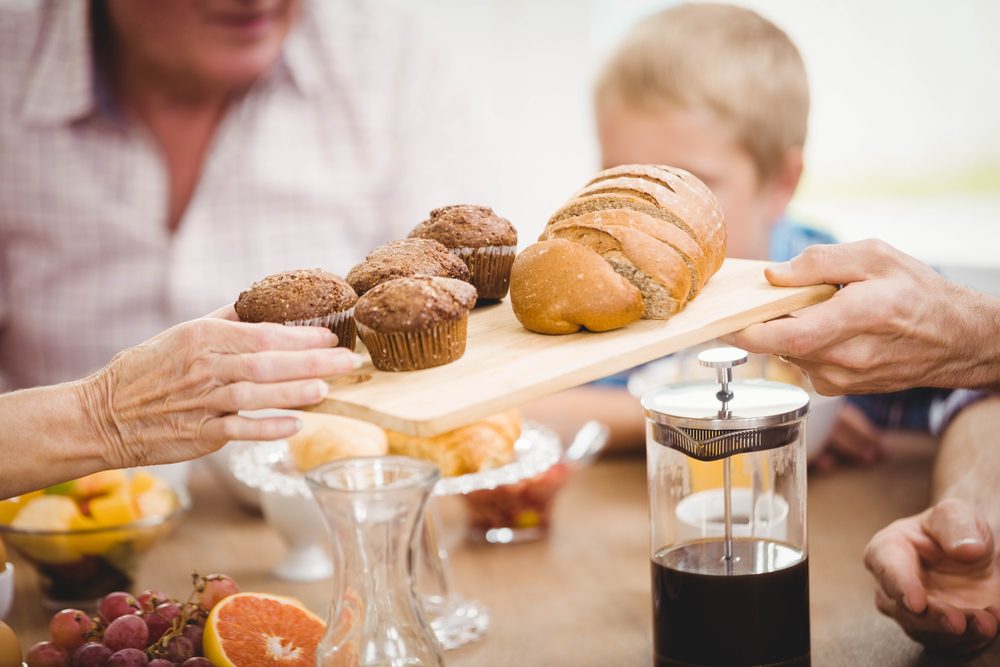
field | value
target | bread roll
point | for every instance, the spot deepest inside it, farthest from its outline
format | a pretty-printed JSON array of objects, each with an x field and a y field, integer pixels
[
  {"x": 659, "y": 271},
  {"x": 558, "y": 286},
  {"x": 488, "y": 443},
  {"x": 670, "y": 194},
  {"x": 326, "y": 438}
]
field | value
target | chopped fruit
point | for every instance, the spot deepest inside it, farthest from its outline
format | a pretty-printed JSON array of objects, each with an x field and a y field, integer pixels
[
  {"x": 10, "y": 507},
  {"x": 113, "y": 509},
  {"x": 91, "y": 485},
  {"x": 260, "y": 629},
  {"x": 46, "y": 513},
  {"x": 142, "y": 481},
  {"x": 158, "y": 501}
]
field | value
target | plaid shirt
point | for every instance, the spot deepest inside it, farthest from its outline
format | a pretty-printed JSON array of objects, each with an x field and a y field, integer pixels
[{"x": 347, "y": 142}]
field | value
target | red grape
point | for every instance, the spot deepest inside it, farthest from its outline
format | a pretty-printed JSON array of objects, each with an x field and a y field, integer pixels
[
  {"x": 47, "y": 654},
  {"x": 150, "y": 600},
  {"x": 216, "y": 587},
  {"x": 160, "y": 620},
  {"x": 91, "y": 654},
  {"x": 69, "y": 628},
  {"x": 117, "y": 604},
  {"x": 126, "y": 632},
  {"x": 194, "y": 633},
  {"x": 160, "y": 662},
  {"x": 180, "y": 649},
  {"x": 156, "y": 625},
  {"x": 169, "y": 610},
  {"x": 128, "y": 657},
  {"x": 197, "y": 662}
]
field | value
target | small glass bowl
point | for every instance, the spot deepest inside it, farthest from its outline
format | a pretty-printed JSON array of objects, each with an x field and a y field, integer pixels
[
  {"x": 518, "y": 512},
  {"x": 76, "y": 567}
]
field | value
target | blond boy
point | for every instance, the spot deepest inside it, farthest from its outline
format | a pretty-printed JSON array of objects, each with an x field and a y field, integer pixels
[{"x": 722, "y": 92}]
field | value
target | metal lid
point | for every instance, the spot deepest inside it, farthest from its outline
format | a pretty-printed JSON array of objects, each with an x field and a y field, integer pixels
[{"x": 755, "y": 404}]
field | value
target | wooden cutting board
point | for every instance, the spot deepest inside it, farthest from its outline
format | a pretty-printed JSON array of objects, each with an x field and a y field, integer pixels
[{"x": 505, "y": 365}]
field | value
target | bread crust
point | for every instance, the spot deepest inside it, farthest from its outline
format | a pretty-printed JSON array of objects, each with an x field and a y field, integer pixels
[
  {"x": 677, "y": 191},
  {"x": 557, "y": 287},
  {"x": 656, "y": 269},
  {"x": 680, "y": 242}
]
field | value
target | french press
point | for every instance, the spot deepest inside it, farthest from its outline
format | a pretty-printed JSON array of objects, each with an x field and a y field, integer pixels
[{"x": 727, "y": 489}]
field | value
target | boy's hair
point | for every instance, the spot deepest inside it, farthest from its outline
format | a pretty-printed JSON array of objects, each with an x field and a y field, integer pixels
[{"x": 721, "y": 58}]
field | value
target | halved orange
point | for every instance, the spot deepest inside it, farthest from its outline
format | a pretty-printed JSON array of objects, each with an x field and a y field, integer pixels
[{"x": 261, "y": 630}]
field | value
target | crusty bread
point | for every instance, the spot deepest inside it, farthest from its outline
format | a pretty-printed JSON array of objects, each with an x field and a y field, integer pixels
[
  {"x": 558, "y": 286},
  {"x": 326, "y": 438},
  {"x": 666, "y": 193},
  {"x": 658, "y": 270},
  {"x": 484, "y": 444},
  {"x": 679, "y": 241}
]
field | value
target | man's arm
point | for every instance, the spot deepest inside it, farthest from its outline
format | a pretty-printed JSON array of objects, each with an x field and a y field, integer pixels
[{"x": 896, "y": 324}]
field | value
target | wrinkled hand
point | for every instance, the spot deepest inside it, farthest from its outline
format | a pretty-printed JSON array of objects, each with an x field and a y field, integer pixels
[
  {"x": 175, "y": 397},
  {"x": 896, "y": 323},
  {"x": 938, "y": 577},
  {"x": 853, "y": 440}
]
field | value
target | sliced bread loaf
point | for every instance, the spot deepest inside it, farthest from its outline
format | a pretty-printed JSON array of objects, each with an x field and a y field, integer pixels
[{"x": 657, "y": 270}]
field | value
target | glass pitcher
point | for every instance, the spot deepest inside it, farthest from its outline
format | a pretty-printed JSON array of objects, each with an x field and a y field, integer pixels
[{"x": 373, "y": 507}]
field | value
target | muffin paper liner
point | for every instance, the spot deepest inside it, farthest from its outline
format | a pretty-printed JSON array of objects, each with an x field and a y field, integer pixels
[
  {"x": 413, "y": 350},
  {"x": 340, "y": 323},
  {"x": 490, "y": 268}
]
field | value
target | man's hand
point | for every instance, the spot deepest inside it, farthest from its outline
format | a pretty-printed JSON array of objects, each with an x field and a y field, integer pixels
[
  {"x": 896, "y": 324},
  {"x": 938, "y": 577}
]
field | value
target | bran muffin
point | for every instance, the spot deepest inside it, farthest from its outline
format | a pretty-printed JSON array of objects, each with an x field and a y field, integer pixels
[
  {"x": 306, "y": 297},
  {"x": 416, "y": 322},
  {"x": 483, "y": 240},
  {"x": 405, "y": 258}
]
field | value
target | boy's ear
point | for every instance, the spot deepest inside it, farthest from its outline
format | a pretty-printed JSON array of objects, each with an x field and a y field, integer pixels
[{"x": 784, "y": 181}]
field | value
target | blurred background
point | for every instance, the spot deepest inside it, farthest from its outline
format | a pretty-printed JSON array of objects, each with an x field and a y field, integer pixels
[{"x": 904, "y": 139}]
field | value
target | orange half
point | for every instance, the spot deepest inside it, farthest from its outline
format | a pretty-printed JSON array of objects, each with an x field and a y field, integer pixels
[{"x": 260, "y": 630}]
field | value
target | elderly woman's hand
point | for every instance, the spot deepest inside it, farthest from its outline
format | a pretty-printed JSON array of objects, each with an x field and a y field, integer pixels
[
  {"x": 177, "y": 395},
  {"x": 896, "y": 324}
]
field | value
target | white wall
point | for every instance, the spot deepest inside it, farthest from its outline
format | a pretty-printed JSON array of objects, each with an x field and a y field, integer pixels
[{"x": 904, "y": 135}]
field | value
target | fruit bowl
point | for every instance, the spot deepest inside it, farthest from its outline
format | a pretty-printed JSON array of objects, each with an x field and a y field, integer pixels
[{"x": 79, "y": 564}]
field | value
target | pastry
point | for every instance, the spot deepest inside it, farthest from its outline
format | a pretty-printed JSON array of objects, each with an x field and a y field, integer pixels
[
  {"x": 487, "y": 443},
  {"x": 324, "y": 438}
]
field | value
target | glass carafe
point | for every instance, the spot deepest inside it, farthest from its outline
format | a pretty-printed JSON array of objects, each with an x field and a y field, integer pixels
[
  {"x": 373, "y": 508},
  {"x": 727, "y": 489}
]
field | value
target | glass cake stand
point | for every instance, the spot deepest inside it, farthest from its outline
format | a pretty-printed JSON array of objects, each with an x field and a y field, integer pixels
[{"x": 289, "y": 506}]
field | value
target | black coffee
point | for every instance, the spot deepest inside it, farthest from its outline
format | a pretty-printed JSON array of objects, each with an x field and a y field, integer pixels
[{"x": 757, "y": 615}]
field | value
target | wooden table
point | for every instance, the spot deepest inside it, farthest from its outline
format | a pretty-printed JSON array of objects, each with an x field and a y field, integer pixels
[{"x": 582, "y": 596}]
